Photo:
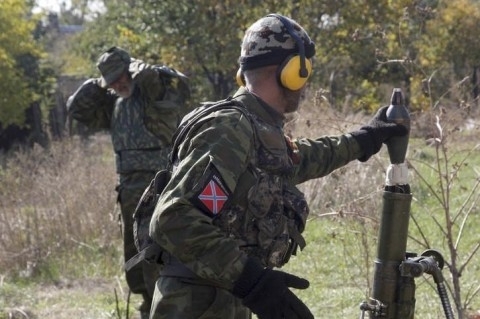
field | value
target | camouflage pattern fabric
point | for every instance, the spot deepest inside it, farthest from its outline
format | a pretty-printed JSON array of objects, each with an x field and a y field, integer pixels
[
  {"x": 222, "y": 158},
  {"x": 92, "y": 105},
  {"x": 149, "y": 249},
  {"x": 140, "y": 279},
  {"x": 179, "y": 298},
  {"x": 268, "y": 42},
  {"x": 112, "y": 64},
  {"x": 141, "y": 127},
  {"x": 143, "y": 214}
]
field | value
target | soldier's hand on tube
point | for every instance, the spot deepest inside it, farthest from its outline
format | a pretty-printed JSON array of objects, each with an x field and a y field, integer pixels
[
  {"x": 267, "y": 292},
  {"x": 377, "y": 131}
]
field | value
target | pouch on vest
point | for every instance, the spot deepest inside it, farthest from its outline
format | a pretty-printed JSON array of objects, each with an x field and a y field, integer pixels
[{"x": 148, "y": 250}]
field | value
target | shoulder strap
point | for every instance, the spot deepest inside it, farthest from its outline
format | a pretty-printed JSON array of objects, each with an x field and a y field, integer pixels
[
  {"x": 165, "y": 70},
  {"x": 181, "y": 133},
  {"x": 153, "y": 251}
]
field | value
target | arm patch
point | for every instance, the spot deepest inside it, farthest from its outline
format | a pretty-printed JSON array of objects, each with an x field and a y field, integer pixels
[{"x": 212, "y": 192}]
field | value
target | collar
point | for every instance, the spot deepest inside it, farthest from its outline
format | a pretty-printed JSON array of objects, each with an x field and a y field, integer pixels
[{"x": 257, "y": 106}]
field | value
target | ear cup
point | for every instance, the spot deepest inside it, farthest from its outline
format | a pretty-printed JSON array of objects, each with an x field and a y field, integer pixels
[
  {"x": 240, "y": 78},
  {"x": 289, "y": 73}
]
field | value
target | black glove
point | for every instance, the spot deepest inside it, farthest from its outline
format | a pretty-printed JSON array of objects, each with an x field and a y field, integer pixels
[
  {"x": 377, "y": 131},
  {"x": 266, "y": 292}
]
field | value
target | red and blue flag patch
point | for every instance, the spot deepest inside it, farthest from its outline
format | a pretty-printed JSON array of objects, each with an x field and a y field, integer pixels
[{"x": 213, "y": 193}]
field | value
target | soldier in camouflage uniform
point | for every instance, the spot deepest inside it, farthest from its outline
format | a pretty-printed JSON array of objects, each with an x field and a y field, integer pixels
[
  {"x": 140, "y": 107},
  {"x": 231, "y": 213}
]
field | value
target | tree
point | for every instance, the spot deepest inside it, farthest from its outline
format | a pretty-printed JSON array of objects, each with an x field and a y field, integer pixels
[
  {"x": 18, "y": 56},
  {"x": 200, "y": 38},
  {"x": 451, "y": 49},
  {"x": 364, "y": 48}
]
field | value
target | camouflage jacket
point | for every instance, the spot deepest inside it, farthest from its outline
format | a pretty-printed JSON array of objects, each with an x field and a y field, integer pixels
[
  {"x": 141, "y": 126},
  {"x": 232, "y": 171}
]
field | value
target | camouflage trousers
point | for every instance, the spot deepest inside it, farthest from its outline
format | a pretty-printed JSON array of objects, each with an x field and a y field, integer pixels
[
  {"x": 141, "y": 278},
  {"x": 181, "y": 298}
]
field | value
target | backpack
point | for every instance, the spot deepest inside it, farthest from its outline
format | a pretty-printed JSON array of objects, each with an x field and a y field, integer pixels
[
  {"x": 176, "y": 84},
  {"x": 147, "y": 248}
]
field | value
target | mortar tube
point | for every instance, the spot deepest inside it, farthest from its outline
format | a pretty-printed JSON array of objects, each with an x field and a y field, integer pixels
[
  {"x": 395, "y": 293},
  {"x": 391, "y": 250}
]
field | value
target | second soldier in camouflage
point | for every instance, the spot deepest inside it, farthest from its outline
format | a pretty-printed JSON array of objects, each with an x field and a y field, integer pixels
[{"x": 141, "y": 108}]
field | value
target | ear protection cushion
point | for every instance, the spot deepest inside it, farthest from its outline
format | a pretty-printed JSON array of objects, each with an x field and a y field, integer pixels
[
  {"x": 289, "y": 73},
  {"x": 240, "y": 78}
]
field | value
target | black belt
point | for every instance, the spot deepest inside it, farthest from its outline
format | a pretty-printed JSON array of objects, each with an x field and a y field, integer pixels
[{"x": 172, "y": 267}]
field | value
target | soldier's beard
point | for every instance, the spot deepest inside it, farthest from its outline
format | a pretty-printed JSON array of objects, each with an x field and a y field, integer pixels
[
  {"x": 124, "y": 91},
  {"x": 293, "y": 99}
]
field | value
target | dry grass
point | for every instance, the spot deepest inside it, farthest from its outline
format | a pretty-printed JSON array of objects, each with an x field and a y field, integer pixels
[
  {"x": 348, "y": 191},
  {"x": 55, "y": 201}
]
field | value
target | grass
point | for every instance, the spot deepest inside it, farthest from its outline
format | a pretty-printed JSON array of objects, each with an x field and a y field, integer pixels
[
  {"x": 60, "y": 241},
  {"x": 92, "y": 298}
]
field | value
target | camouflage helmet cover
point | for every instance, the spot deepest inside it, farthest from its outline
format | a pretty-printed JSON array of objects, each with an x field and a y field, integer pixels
[
  {"x": 268, "y": 42},
  {"x": 112, "y": 64}
]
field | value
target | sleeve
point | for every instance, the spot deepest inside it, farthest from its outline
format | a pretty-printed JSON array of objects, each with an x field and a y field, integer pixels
[
  {"x": 147, "y": 79},
  {"x": 162, "y": 112},
  {"x": 321, "y": 156},
  {"x": 184, "y": 229},
  {"x": 92, "y": 105}
]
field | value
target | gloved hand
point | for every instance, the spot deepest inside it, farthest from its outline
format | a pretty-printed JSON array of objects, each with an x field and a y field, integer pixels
[
  {"x": 377, "y": 131},
  {"x": 266, "y": 292}
]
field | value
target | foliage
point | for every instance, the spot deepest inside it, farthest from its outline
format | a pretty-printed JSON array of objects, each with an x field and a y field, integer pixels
[
  {"x": 453, "y": 37},
  {"x": 449, "y": 210},
  {"x": 448, "y": 52},
  {"x": 449, "y": 182},
  {"x": 18, "y": 58},
  {"x": 195, "y": 37},
  {"x": 364, "y": 48}
]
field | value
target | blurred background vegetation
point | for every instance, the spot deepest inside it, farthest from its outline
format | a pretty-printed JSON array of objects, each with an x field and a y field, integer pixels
[
  {"x": 363, "y": 49},
  {"x": 60, "y": 243}
]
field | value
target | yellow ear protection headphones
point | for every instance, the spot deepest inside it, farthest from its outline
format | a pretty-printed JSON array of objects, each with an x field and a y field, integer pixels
[
  {"x": 240, "y": 78},
  {"x": 295, "y": 70}
]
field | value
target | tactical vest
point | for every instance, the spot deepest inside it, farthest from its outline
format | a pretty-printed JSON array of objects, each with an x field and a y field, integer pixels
[
  {"x": 267, "y": 213},
  {"x": 136, "y": 148}
]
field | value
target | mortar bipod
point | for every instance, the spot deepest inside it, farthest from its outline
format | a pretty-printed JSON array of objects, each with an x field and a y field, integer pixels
[{"x": 430, "y": 262}]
